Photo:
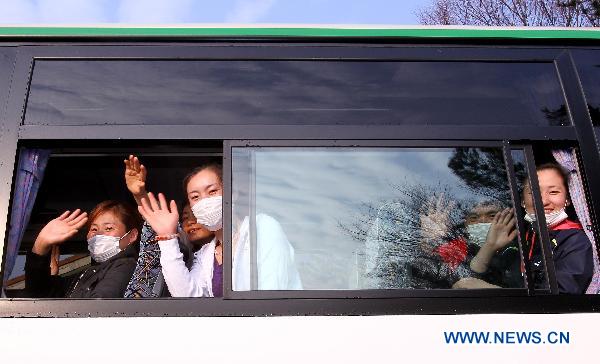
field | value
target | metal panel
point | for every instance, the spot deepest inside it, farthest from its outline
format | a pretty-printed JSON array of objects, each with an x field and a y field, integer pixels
[
  {"x": 346, "y": 306},
  {"x": 258, "y": 51},
  {"x": 227, "y": 233},
  {"x": 297, "y": 132},
  {"x": 286, "y": 32},
  {"x": 10, "y": 108}
]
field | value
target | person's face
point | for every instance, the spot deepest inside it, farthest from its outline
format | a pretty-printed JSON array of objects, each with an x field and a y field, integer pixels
[
  {"x": 194, "y": 231},
  {"x": 107, "y": 223},
  {"x": 552, "y": 189},
  {"x": 481, "y": 214},
  {"x": 204, "y": 184}
]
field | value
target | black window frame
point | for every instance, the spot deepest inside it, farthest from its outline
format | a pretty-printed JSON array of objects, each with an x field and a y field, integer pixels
[
  {"x": 359, "y": 293},
  {"x": 580, "y": 131}
]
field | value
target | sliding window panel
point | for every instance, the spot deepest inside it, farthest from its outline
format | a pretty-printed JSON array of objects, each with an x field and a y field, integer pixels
[{"x": 370, "y": 218}]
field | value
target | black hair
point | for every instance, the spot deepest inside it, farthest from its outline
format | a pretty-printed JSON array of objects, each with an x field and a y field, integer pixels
[{"x": 217, "y": 168}]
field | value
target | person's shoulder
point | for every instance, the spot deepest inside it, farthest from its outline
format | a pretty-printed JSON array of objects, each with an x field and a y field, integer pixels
[
  {"x": 573, "y": 239},
  {"x": 269, "y": 229},
  {"x": 207, "y": 246},
  {"x": 264, "y": 221}
]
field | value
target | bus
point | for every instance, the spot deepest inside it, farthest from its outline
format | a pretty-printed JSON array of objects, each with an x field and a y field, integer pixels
[{"x": 369, "y": 147}]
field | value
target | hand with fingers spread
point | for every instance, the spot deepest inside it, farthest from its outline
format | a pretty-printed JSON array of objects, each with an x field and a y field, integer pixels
[
  {"x": 502, "y": 232},
  {"x": 135, "y": 178},
  {"x": 59, "y": 230},
  {"x": 54, "y": 257},
  {"x": 162, "y": 217}
]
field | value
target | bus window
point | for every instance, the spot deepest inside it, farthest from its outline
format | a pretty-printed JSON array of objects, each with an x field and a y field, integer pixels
[
  {"x": 340, "y": 218},
  {"x": 93, "y": 92},
  {"x": 83, "y": 177}
]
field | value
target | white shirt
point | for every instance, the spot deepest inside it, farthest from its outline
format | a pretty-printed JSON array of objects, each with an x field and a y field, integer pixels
[{"x": 276, "y": 269}]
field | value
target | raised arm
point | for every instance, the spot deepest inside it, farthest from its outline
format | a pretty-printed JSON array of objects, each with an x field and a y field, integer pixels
[
  {"x": 135, "y": 178},
  {"x": 38, "y": 268},
  {"x": 501, "y": 233},
  {"x": 59, "y": 230},
  {"x": 54, "y": 260},
  {"x": 163, "y": 219}
]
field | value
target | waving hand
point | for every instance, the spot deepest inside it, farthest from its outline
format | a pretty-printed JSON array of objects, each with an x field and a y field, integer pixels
[{"x": 59, "y": 230}]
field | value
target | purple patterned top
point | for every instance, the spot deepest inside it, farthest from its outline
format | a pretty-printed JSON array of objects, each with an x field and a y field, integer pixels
[{"x": 217, "y": 279}]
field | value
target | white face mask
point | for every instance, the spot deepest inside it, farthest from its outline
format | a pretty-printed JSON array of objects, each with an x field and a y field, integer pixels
[
  {"x": 556, "y": 217},
  {"x": 552, "y": 219},
  {"x": 478, "y": 232},
  {"x": 209, "y": 212},
  {"x": 529, "y": 217},
  {"x": 104, "y": 247}
]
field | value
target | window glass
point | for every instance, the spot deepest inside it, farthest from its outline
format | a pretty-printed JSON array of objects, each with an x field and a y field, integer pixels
[
  {"x": 588, "y": 66},
  {"x": 368, "y": 218},
  {"x": 294, "y": 92}
]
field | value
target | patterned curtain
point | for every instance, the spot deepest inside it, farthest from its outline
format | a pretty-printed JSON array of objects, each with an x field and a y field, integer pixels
[
  {"x": 30, "y": 172},
  {"x": 568, "y": 159}
]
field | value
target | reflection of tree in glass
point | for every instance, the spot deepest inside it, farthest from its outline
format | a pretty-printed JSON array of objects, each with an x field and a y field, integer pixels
[
  {"x": 556, "y": 117},
  {"x": 484, "y": 173},
  {"x": 397, "y": 242}
]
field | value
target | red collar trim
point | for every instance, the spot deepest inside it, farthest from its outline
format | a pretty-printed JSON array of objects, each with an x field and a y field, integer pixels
[{"x": 567, "y": 225}]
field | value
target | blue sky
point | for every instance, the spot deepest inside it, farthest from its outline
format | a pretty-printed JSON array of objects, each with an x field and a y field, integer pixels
[{"x": 393, "y": 12}]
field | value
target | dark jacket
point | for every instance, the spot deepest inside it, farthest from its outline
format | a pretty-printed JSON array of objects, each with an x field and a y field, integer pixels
[
  {"x": 101, "y": 280},
  {"x": 505, "y": 268},
  {"x": 572, "y": 256}
]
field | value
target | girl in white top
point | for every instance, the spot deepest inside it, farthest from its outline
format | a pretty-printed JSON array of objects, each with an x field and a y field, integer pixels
[{"x": 204, "y": 188}]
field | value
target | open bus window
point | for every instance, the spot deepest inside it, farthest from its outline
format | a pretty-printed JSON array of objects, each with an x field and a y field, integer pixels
[
  {"x": 340, "y": 218},
  {"x": 564, "y": 202},
  {"x": 327, "y": 218},
  {"x": 80, "y": 178}
]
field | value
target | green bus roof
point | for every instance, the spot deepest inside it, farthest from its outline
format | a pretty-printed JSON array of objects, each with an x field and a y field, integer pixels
[{"x": 299, "y": 31}]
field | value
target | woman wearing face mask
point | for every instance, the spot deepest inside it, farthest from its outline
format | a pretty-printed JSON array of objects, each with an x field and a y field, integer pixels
[
  {"x": 276, "y": 269},
  {"x": 195, "y": 236},
  {"x": 112, "y": 242},
  {"x": 571, "y": 249},
  {"x": 147, "y": 280}
]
